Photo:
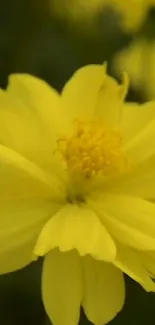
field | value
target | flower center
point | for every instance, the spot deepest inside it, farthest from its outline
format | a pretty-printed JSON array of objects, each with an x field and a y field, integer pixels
[{"x": 93, "y": 150}]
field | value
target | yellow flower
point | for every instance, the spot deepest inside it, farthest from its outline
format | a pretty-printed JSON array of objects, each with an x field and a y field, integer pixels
[
  {"x": 132, "y": 14},
  {"x": 77, "y": 177},
  {"x": 139, "y": 61}
]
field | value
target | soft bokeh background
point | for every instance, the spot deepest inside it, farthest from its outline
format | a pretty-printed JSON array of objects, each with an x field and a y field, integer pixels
[{"x": 35, "y": 40}]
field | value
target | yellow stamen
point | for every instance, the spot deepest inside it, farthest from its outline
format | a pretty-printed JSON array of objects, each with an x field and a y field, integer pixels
[{"x": 92, "y": 150}]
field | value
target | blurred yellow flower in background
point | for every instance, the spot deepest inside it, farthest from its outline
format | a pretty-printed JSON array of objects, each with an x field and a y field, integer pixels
[
  {"x": 77, "y": 178},
  {"x": 78, "y": 9},
  {"x": 131, "y": 14},
  {"x": 139, "y": 61}
]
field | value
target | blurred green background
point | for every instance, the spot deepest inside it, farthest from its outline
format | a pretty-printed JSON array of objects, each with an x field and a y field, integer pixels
[{"x": 34, "y": 40}]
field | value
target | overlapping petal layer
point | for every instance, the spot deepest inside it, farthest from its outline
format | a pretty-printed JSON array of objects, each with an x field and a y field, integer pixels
[{"x": 77, "y": 228}]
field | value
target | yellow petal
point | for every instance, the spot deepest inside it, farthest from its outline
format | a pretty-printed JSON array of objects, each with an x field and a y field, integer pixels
[
  {"x": 135, "y": 118},
  {"x": 130, "y": 262},
  {"x": 104, "y": 291},
  {"x": 141, "y": 147},
  {"x": 130, "y": 220},
  {"x": 91, "y": 92},
  {"x": 110, "y": 101},
  {"x": 75, "y": 227},
  {"x": 15, "y": 258},
  {"x": 20, "y": 178},
  {"x": 24, "y": 207},
  {"x": 139, "y": 181},
  {"x": 148, "y": 261},
  {"x": 41, "y": 99},
  {"x": 80, "y": 94},
  {"x": 31, "y": 119},
  {"x": 21, "y": 221},
  {"x": 62, "y": 287},
  {"x": 137, "y": 126}
]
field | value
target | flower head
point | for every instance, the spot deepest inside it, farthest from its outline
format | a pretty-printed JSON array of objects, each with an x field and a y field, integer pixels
[{"x": 77, "y": 181}]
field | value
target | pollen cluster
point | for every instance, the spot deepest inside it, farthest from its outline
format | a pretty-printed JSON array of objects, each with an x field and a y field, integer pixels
[{"x": 93, "y": 149}]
